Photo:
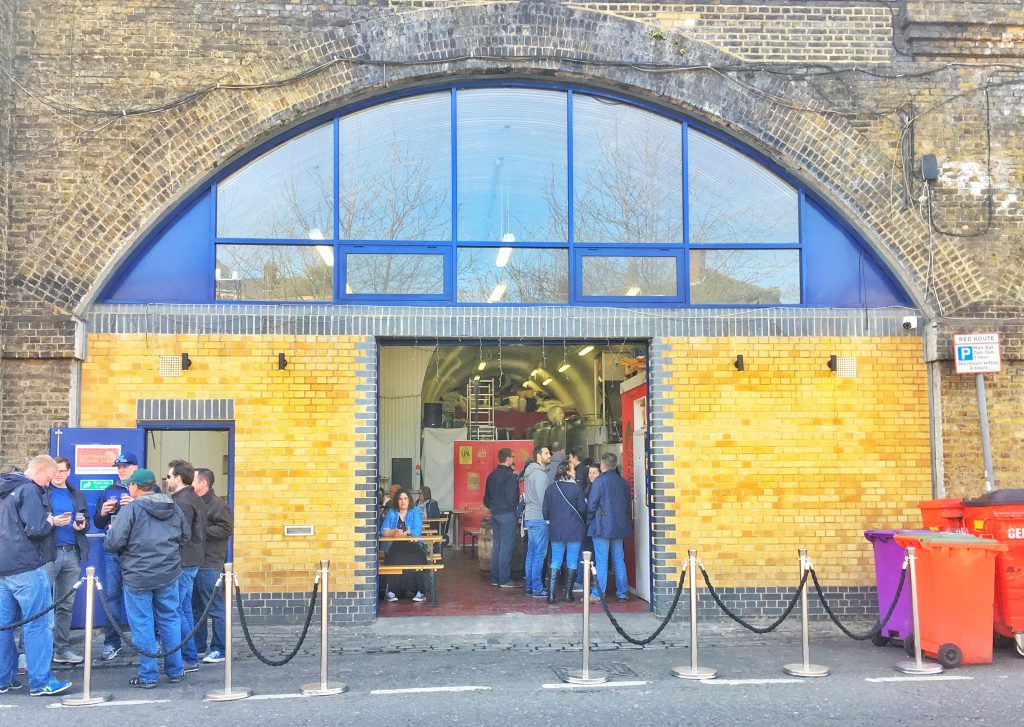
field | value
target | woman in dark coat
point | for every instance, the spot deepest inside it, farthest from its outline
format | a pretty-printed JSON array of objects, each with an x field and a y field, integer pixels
[{"x": 563, "y": 509}]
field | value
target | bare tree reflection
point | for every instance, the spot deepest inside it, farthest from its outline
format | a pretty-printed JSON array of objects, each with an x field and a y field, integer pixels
[{"x": 274, "y": 272}]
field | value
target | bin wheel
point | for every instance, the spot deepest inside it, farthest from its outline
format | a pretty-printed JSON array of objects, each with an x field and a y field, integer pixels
[
  {"x": 950, "y": 656},
  {"x": 879, "y": 640},
  {"x": 908, "y": 645},
  {"x": 1001, "y": 642},
  {"x": 1020, "y": 650}
]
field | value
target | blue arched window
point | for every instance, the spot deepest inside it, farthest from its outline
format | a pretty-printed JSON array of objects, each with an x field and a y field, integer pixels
[{"x": 505, "y": 195}]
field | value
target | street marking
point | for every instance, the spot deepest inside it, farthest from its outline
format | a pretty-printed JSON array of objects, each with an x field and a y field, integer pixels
[
  {"x": 424, "y": 690},
  {"x": 604, "y": 685},
  {"x": 936, "y": 678},
  {"x": 126, "y": 703},
  {"x": 744, "y": 682},
  {"x": 6, "y": 706},
  {"x": 297, "y": 695}
]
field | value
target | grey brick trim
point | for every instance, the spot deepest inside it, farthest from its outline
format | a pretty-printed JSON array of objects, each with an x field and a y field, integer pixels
[{"x": 189, "y": 410}]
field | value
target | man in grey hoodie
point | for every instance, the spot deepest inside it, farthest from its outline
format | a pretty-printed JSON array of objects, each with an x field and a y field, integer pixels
[
  {"x": 535, "y": 484},
  {"x": 146, "y": 535}
]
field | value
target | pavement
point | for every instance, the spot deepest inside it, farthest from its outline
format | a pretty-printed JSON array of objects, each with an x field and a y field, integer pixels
[{"x": 509, "y": 668}]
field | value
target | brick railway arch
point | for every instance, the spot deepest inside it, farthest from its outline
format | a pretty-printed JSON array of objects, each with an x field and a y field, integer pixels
[{"x": 177, "y": 153}]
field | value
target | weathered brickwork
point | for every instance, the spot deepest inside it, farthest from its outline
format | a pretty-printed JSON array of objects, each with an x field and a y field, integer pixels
[
  {"x": 846, "y": 96},
  {"x": 786, "y": 454},
  {"x": 299, "y": 457}
]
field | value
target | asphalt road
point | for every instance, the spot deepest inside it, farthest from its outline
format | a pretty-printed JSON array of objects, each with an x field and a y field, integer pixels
[{"x": 521, "y": 685}]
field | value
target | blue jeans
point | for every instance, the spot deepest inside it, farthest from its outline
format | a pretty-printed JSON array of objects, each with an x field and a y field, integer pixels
[
  {"x": 113, "y": 591},
  {"x": 22, "y": 595},
  {"x": 63, "y": 573},
  {"x": 142, "y": 607},
  {"x": 601, "y": 547},
  {"x": 560, "y": 549},
  {"x": 536, "y": 551},
  {"x": 204, "y": 590},
  {"x": 186, "y": 582},
  {"x": 503, "y": 525}
]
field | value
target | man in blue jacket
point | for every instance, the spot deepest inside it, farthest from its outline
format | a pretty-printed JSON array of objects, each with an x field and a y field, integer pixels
[
  {"x": 107, "y": 507},
  {"x": 610, "y": 520},
  {"x": 147, "y": 535},
  {"x": 26, "y": 546}
]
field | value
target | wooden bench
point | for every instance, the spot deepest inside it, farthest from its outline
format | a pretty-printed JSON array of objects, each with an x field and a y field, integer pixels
[
  {"x": 428, "y": 568},
  {"x": 472, "y": 534}
]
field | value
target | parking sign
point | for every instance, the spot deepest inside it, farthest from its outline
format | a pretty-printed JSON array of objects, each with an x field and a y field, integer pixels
[{"x": 977, "y": 353}]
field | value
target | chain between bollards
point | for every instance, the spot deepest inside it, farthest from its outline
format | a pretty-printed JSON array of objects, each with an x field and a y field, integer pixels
[
  {"x": 693, "y": 671},
  {"x": 324, "y": 688},
  {"x": 806, "y": 669},
  {"x": 87, "y": 699},
  {"x": 228, "y": 694},
  {"x": 917, "y": 666},
  {"x": 585, "y": 676}
]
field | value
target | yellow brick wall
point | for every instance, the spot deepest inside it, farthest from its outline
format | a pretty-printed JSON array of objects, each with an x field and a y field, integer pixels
[
  {"x": 786, "y": 455},
  {"x": 295, "y": 446}
]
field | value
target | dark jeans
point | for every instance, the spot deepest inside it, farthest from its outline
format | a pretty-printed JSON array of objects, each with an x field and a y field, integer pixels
[
  {"x": 503, "y": 526},
  {"x": 114, "y": 593},
  {"x": 204, "y": 590}
]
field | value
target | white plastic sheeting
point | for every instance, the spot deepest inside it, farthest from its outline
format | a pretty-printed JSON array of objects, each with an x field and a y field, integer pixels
[{"x": 439, "y": 463}]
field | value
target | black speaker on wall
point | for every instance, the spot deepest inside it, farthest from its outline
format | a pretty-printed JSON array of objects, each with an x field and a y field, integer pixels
[{"x": 432, "y": 414}]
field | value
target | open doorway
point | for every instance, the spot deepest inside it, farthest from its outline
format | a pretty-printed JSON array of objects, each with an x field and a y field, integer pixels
[{"x": 447, "y": 408}]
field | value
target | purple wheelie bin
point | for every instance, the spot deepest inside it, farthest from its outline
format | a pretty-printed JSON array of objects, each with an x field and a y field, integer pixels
[{"x": 889, "y": 557}]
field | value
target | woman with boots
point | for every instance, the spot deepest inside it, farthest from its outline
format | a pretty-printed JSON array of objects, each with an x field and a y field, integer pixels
[{"x": 563, "y": 509}]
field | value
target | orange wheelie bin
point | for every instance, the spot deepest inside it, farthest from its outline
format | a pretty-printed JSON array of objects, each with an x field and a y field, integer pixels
[
  {"x": 1000, "y": 515},
  {"x": 955, "y": 595},
  {"x": 945, "y": 513}
]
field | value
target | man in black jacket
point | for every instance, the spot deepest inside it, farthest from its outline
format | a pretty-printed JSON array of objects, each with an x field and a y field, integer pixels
[
  {"x": 147, "y": 535},
  {"x": 26, "y": 545},
  {"x": 72, "y": 548},
  {"x": 219, "y": 526},
  {"x": 180, "y": 475},
  {"x": 501, "y": 495}
]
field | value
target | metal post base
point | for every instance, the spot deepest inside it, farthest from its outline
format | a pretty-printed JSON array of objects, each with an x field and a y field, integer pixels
[
  {"x": 806, "y": 670},
  {"x": 316, "y": 689},
  {"x": 926, "y": 668},
  {"x": 83, "y": 701},
  {"x": 691, "y": 672},
  {"x": 222, "y": 695},
  {"x": 593, "y": 676}
]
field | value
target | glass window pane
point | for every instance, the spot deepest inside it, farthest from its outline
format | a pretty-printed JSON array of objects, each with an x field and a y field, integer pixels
[
  {"x": 385, "y": 274},
  {"x": 512, "y": 158},
  {"x": 512, "y": 275},
  {"x": 629, "y": 276},
  {"x": 744, "y": 277},
  {"x": 627, "y": 173},
  {"x": 395, "y": 171},
  {"x": 733, "y": 199},
  {"x": 284, "y": 194},
  {"x": 275, "y": 272}
]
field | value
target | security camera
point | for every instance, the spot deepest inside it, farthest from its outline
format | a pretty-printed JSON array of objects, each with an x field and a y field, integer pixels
[{"x": 909, "y": 323}]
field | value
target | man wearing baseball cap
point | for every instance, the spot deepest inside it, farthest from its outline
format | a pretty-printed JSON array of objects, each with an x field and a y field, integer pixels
[
  {"x": 107, "y": 506},
  {"x": 147, "y": 534}
]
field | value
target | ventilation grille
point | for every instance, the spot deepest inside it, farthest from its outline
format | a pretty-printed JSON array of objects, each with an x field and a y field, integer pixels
[
  {"x": 170, "y": 365},
  {"x": 846, "y": 367}
]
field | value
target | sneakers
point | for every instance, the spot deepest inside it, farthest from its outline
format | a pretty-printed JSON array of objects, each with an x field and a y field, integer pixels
[
  {"x": 179, "y": 678},
  {"x": 510, "y": 584},
  {"x": 390, "y": 597},
  {"x": 14, "y": 684},
  {"x": 54, "y": 686},
  {"x": 141, "y": 683},
  {"x": 68, "y": 657},
  {"x": 540, "y": 594},
  {"x": 191, "y": 667},
  {"x": 419, "y": 597},
  {"x": 214, "y": 657},
  {"x": 110, "y": 653},
  {"x": 622, "y": 599}
]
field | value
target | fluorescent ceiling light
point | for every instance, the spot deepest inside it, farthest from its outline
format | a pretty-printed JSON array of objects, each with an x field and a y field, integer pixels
[
  {"x": 497, "y": 293},
  {"x": 476, "y": 378},
  {"x": 546, "y": 381},
  {"x": 481, "y": 366},
  {"x": 563, "y": 368},
  {"x": 327, "y": 254},
  {"x": 534, "y": 372},
  {"x": 504, "y": 253},
  {"x": 633, "y": 290},
  {"x": 585, "y": 350}
]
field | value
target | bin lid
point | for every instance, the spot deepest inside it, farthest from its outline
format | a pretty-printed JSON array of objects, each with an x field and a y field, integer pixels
[
  {"x": 953, "y": 540},
  {"x": 940, "y": 502},
  {"x": 887, "y": 535},
  {"x": 1008, "y": 496}
]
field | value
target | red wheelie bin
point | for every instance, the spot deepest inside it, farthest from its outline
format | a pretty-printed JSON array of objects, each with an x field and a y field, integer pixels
[
  {"x": 945, "y": 513},
  {"x": 1000, "y": 515},
  {"x": 955, "y": 595}
]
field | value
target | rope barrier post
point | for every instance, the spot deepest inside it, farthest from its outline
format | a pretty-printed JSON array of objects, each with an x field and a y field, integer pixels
[
  {"x": 87, "y": 699},
  {"x": 806, "y": 669},
  {"x": 693, "y": 671},
  {"x": 585, "y": 676},
  {"x": 323, "y": 688},
  {"x": 228, "y": 694},
  {"x": 917, "y": 666}
]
